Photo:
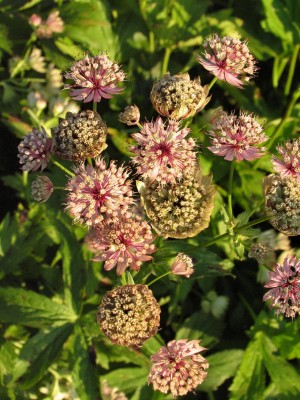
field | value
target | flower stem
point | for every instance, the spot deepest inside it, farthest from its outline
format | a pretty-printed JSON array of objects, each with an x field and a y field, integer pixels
[
  {"x": 291, "y": 70},
  {"x": 166, "y": 59},
  {"x": 159, "y": 277},
  {"x": 58, "y": 164},
  {"x": 214, "y": 80},
  {"x": 94, "y": 106},
  {"x": 230, "y": 182},
  {"x": 151, "y": 42}
]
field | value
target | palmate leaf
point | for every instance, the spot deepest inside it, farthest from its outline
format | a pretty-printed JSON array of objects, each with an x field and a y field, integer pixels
[{"x": 25, "y": 307}]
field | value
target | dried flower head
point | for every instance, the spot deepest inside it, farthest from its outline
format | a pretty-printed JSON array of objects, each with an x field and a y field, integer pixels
[
  {"x": 178, "y": 368},
  {"x": 108, "y": 393},
  {"x": 177, "y": 97},
  {"x": 181, "y": 209},
  {"x": 182, "y": 265},
  {"x": 229, "y": 59},
  {"x": 41, "y": 188},
  {"x": 129, "y": 315},
  {"x": 94, "y": 78},
  {"x": 282, "y": 201},
  {"x": 80, "y": 136},
  {"x": 99, "y": 193},
  {"x": 126, "y": 242},
  {"x": 236, "y": 137},
  {"x": 289, "y": 165},
  {"x": 35, "y": 150},
  {"x": 163, "y": 153},
  {"x": 130, "y": 116},
  {"x": 285, "y": 287}
]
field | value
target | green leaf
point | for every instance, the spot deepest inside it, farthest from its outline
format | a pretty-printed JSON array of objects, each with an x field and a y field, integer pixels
[
  {"x": 84, "y": 374},
  {"x": 24, "y": 307},
  {"x": 127, "y": 379},
  {"x": 222, "y": 366},
  {"x": 40, "y": 351},
  {"x": 5, "y": 43},
  {"x": 8, "y": 359},
  {"x": 66, "y": 46}
]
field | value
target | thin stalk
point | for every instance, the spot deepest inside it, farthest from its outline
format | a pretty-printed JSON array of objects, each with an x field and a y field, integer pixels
[
  {"x": 210, "y": 395},
  {"x": 58, "y": 164},
  {"x": 291, "y": 70},
  {"x": 230, "y": 182},
  {"x": 151, "y": 42},
  {"x": 139, "y": 125},
  {"x": 247, "y": 306},
  {"x": 166, "y": 60},
  {"x": 159, "y": 277},
  {"x": 255, "y": 222},
  {"x": 214, "y": 80},
  {"x": 123, "y": 279},
  {"x": 94, "y": 106}
]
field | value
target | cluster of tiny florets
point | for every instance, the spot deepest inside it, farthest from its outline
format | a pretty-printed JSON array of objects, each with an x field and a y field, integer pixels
[
  {"x": 181, "y": 209},
  {"x": 178, "y": 97},
  {"x": 35, "y": 150},
  {"x": 236, "y": 137},
  {"x": 99, "y": 193},
  {"x": 41, "y": 188},
  {"x": 130, "y": 116},
  {"x": 129, "y": 315},
  {"x": 94, "y": 78},
  {"x": 289, "y": 163},
  {"x": 178, "y": 368},
  {"x": 282, "y": 201},
  {"x": 80, "y": 136},
  {"x": 162, "y": 152},
  {"x": 125, "y": 242},
  {"x": 182, "y": 265},
  {"x": 229, "y": 59},
  {"x": 284, "y": 287}
]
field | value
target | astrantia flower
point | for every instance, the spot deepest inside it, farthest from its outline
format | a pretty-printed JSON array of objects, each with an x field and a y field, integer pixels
[
  {"x": 126, "y": 242},
  {"x": 99, "y": 193},
  {"x": 41, "y": 188},
  {"x": 130, "y": 116},
  {"x": 285, "y": 287},
  {"x": 181, "y": 209},
  {"x": 282, "y": 201},
  {"x": 35, "y": 150},
  {"x": 129, "y": 315},
  {"x": 236, "y": 136},
  {"x": 163, "y": 153},
  {"x": 229, "y": 59},
  {"x": 182, "y": 265},
  {"x": 79, "y": 136},
  {"x": 108, "y": 393},
  {"x": 178, "y": 368},
  {"x": 94, "y": 78},
  {"x": 45, "y": 29},
  {"x": 177, "y": 97},
  {"x": 289, "y": 165}
]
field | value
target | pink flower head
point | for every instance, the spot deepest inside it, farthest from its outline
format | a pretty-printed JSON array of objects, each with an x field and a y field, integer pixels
[
  {"x": 229, "y": 59},
  {"x": 94, "y": 78},
  {"x": 178, "y": 368},
  {"x": 125, "y": 242},
  {"x": 35, "y": 150},
  {"x": 290, "y": 163},
  {"x": 182, "y": 265},
  {"x": 45, "y": 29},
  {"x": 163, "y": 152},
  {"x": 236, "y": 136},
  {"x": 99, "y": 193},
  {"x": 285, "y": 287},
  {"x": 41, "y": 188}
]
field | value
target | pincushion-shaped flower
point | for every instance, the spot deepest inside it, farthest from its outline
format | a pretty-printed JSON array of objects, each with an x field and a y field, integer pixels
[
  {"x": 289, "y": 165},
  {"x": 236, "y": 137},
  {"x": 282, "y": 201},
  {"x": 41, "y": 188},
  {"x": 229, "y": 59},
  {"x": 163, "y": 153},
  {"x": 94, "y": 78},
  {"x": 35, "y": 150},
  {"x": 80, "y": 136},
  {"x": 181, "y": 209},
  {"x": 126, "y": 242},
  {"x": 285, "y": 287},
  {"x": 182, "y": 265},
  {"x": 99, "y": 193},
  {"x": 129, "y": 315},
  {"x": 177, "y": 97},
  {"x": 130, "y": 116},
  {"x": 178, "y": 368}
]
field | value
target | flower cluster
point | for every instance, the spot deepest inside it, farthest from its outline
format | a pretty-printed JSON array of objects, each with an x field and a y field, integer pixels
[
  {"x": 289, "y": 164},
  {"x": 182, "y": 265},
  {"x": 45, "y": 29}
]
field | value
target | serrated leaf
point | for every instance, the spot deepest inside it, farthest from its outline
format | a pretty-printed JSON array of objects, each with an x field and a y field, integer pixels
[
  {"x": 25, "y": 307},
  {"x": 222, "y": 366}
]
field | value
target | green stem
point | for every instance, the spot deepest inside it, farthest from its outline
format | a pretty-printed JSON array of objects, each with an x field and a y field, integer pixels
[
  {"x": 247, "y": 306},
  {"x": 255, "y": 222},
  {"x": 291, "y": 70},
  {"x": 166, "y": 60},
  {"x": 214, "y": 80},
  {"x": 58, "y": 188},
  {"x": 139, "y": 125},
  {"x": 94, "y": 106},
  {"x": 58, "y": 164},
  {"x": 230, "y": 182},
  {"x": 159, "y": 277},
  {"x": 151, "y": 42},
  {"x": 123, "y": 279},
  {"x": 210, "y": 395}
]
